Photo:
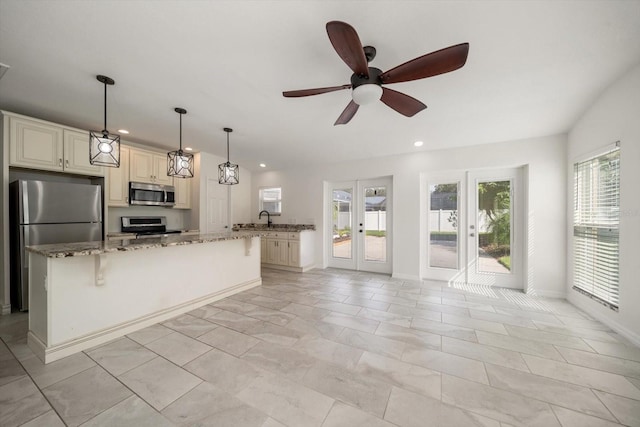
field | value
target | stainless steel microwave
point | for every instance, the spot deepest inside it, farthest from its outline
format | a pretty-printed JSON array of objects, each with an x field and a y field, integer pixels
[{"x": 141, "y": 193}]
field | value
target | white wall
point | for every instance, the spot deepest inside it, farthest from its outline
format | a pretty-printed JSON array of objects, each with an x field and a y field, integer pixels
[
  {"x": 612, "y": 117},
  {"x": 302, "y": 199}
]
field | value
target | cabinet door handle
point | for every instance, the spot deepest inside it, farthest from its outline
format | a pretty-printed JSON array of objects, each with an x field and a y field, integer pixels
[
  {"x": 66, "y": 163},
  {"x": 59, "y": 162}
]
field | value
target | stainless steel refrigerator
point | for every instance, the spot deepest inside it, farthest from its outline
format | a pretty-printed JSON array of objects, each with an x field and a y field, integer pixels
[{"x": 48, "y": 212}]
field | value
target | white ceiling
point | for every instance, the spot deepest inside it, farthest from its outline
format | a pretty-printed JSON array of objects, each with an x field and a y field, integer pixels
[{"x": 533, "y": 68}]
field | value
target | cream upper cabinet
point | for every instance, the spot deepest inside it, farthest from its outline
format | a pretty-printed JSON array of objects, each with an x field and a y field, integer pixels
[
  {"x": 118, "y": 181},
  {"x": 183, "y": 193},
  {"x": 146, "y": 166},
  {"x": 40, "y": 145},
  {"x": 33, "y": 144},
  {"x": 76, "y": 154}
]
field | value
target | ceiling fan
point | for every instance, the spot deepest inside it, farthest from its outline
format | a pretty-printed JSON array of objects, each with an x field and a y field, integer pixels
[{"x": 366, "y": 82}]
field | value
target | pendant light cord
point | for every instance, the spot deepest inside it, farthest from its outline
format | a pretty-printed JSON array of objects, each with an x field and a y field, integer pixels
[
  {"x": 180, "y": 134},
  {"x": 228, "y": 148},
  {"x": 105, "y": 109}
]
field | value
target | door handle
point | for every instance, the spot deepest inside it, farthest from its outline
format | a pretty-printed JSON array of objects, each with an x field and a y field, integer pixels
[
  {"x": 472, "y": 234},
  {"x": 360, "y": 231}
]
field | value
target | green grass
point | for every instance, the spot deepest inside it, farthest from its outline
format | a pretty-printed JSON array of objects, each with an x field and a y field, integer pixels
[
  {"x": 376, "y": 233},
  {"x": 506, "y": 261}
]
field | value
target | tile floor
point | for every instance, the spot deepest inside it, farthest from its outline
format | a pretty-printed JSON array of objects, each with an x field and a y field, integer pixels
[{"x": 338, "y": 348}]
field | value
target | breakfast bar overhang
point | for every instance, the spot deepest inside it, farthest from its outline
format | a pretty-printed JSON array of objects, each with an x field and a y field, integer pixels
[{"x": 85, "y": 294}]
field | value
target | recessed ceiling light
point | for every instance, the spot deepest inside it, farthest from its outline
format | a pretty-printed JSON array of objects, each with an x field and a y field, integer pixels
[
  {"x": 262, "y": 165},
  {"x": 418, "y": 143},
  {"x": 123, "y": 131},
  {"x": 188, "y": 149}
]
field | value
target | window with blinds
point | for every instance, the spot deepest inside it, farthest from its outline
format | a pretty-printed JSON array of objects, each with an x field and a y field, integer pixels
[{"x": 596, "y": 219}]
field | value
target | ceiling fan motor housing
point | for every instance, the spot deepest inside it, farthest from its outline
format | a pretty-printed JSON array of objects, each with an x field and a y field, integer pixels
[{"x": 374, "y": 78}]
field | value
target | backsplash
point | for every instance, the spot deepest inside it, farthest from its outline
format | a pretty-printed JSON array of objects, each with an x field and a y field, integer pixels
[{"x": 177, "y": 219}]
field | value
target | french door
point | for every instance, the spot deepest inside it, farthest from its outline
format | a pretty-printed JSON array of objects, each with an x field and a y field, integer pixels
[
  {"x": 360, "y": 225},
  {"x": 475, "y": 230}
]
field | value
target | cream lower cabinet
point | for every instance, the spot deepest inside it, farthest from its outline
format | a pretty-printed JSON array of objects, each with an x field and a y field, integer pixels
[
  {"x": 36, "y": 144},
  {"x": 291, "y": 251}
]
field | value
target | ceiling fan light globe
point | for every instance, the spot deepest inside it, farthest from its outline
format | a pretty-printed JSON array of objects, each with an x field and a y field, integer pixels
[{"x": 367, "y": 94}]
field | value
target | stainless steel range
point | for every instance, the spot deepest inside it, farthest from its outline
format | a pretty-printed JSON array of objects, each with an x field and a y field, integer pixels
[{"x": 146, "y": 226}]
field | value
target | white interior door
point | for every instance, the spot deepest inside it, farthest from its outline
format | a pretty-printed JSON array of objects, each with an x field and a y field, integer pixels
[
  {"x": 475, "y": 227},
  {"x": 217, "y": 206},
  {"x": 361, "y": 221}
]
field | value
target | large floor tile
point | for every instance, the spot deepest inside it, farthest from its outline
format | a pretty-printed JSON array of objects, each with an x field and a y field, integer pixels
[
  {"x": 353, "y": 322},
  {"x": 229, "y": 340},
  {"x": 402, "y": 310},
  {"x": 373, "y": 343},
  {"x": 348, "y": 386},
  {"x": 502, "y": 318},
  {"x": 477, "y": 324},
  {"x": 569, "y": 418},
  {"x": 131, "y": 412},
  {"x": 149, "y": 334},
  {"x": 444, "y": 329},
  {"x": 191, "y": 326},
  {"x": 204, "y": 311},
  {"x": 45, "y": 375},
  {"x": 48, "y": 419},
  {"x": 408, "y": 409},
  {"x": 85, "y": 395},
  {"x": 20, "y": 402},
  {"x": 384, "y": 316},
  {"x": 587, "y": 377},
  {"x": 616, "y": 350},
  {"x": 496, "y": 404},
  {"x": 400, "y": 374},
  {"x": 329, "y": 351},
  {"x": 577, "y": 332},
  {"x": 284, "y": 361},
  {"x": 305, "y": 311},
  {"x": 178, "y": 348},
  {"x": 223, "y": 370},
  {"x": 628, "y": 368},
  {"x": 10, "y": 370},
  {"x": 547, "y": 337},
  {"x": 286, "y": 401},
  {"x": 342, "y": 415},
  {"x": 627, "y": 411},
  {"x": 521, "y": 345},
  {"x": 410, "y": 336},
  {"x": 159, "y": 382},
  {"x": 208, "y": 405},
  {"x": 314, "y": 328},
  {"x": 121, "y": 355},
  {"x": 446, "y": 363},
  {"x": 548, "y": 390},
  {"x": 484, "y": 353}
]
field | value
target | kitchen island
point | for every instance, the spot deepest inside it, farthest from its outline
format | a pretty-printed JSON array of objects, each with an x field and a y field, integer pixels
[{"x": 85, "y": 294}]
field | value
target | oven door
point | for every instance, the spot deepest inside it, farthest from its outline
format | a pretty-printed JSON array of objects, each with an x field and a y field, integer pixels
[{"x": 150, "y": 194}]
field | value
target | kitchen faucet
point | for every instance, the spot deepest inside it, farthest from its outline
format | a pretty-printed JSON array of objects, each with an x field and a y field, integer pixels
[{"x": 268, "y": 217}]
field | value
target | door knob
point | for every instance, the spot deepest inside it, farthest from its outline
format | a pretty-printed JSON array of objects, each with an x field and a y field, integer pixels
[
  {"x": 472, "y": 234},
  {"x": 360, "y": 231}
]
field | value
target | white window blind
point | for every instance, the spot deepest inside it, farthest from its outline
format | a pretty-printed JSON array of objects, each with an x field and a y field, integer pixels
[{"x": 596, "y": 222}]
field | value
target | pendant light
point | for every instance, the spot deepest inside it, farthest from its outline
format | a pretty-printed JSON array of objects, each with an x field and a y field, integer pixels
[
  {"x": 104, "y": 147},
  {"x": 229, "y": 174},
  {"x": 180, "y": 163}
]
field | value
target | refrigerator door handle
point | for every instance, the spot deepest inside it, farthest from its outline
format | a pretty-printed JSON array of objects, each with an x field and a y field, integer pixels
[{"x": 24, "y": 237}]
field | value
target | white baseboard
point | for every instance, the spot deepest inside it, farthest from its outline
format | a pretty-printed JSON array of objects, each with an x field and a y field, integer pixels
[
  {"x": 58, "y": 351},
  {"x": 617, "y": 327},
  {"x": 546, "y": 294},
  {"x": 5, "y": 309},
  {"x": 405, "y": 277}
]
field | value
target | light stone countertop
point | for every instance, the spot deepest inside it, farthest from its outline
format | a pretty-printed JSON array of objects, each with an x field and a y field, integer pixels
[{"x": 63, "y": 250}]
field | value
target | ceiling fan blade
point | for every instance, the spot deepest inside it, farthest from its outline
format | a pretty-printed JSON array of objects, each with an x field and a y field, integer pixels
[
  {"x": 347, "y": 44},
  {"x": 309, "y": 92},
  {"x": 347, "y": 114},
  {"x": 403, "y": 104},
  {"x": 439, "y": 62}
]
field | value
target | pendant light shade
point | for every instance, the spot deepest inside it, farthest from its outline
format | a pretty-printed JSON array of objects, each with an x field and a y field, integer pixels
[
  {"x": 104, "y": 147},
  {"x": 180, "y": 163},
  {"x": 229, "y": 174}
]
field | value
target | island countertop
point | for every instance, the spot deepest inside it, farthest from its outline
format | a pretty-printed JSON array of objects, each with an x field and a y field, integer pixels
[{"x": 64, "y": 250}]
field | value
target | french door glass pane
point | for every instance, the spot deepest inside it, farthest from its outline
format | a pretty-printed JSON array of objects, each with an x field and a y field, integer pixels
[
  {"x": 443, "y": 225},
  {"x": 342, "y": 213},
  {"x": 375, "y": 224},
  {"x": 494, "y": 226}
]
